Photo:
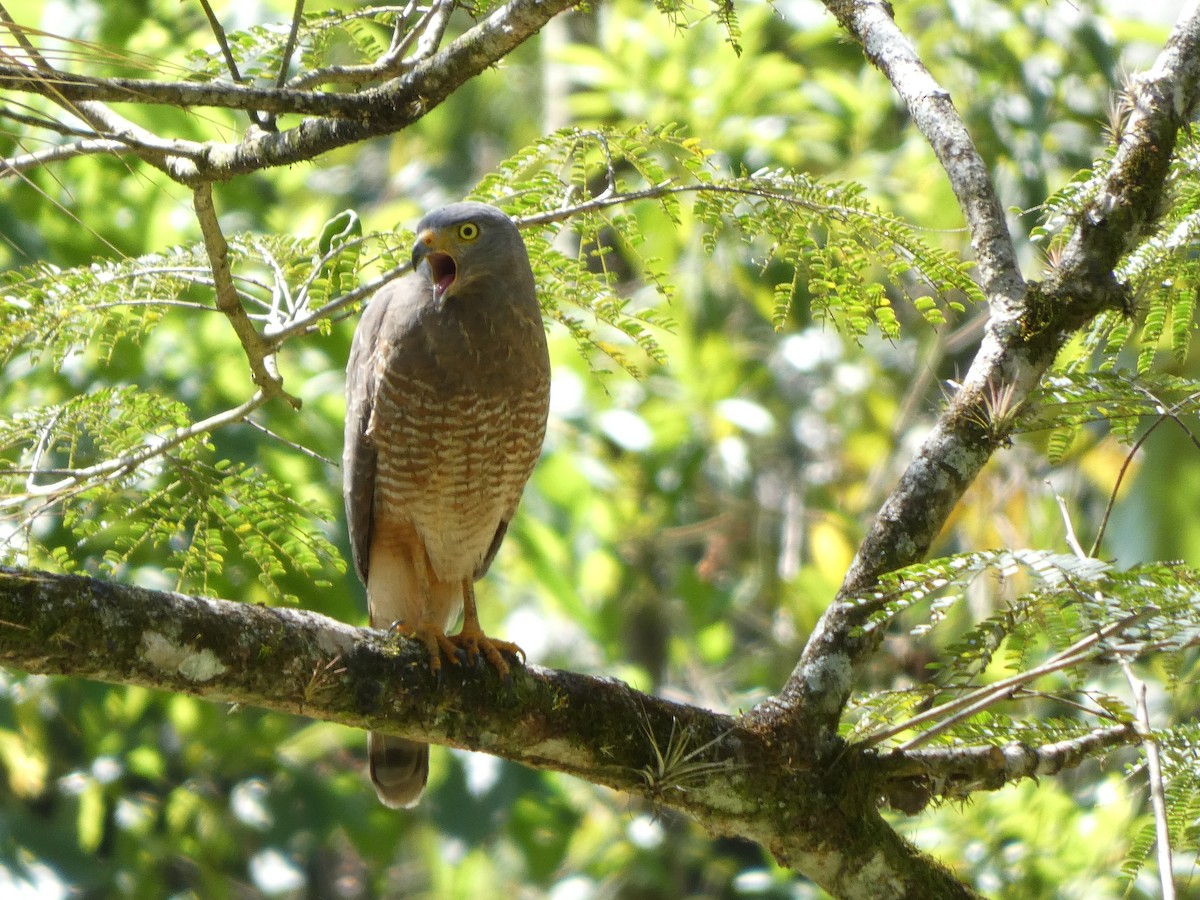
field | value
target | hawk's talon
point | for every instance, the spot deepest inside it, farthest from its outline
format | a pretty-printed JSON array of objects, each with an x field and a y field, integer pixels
[
  {"x": 473, "y": 644},
  {"x": 464, "y": 649},
  {"x": 435, "y": 640}
]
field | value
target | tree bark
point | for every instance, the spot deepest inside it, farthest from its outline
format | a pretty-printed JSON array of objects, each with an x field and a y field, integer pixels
[{"x": 819, "y": 817}]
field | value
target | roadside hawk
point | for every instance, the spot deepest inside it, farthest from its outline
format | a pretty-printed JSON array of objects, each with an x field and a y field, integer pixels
[{"x": 447, "y": 393}]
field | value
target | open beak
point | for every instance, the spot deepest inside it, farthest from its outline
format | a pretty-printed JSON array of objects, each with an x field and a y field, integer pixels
[{"x": 441, "y": 265}]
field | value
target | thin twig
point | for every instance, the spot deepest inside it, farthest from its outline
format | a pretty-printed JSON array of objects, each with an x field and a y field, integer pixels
[
  {"x": 967, "y": 705},
  {"x": 151, "y": 448},
  {"x": 362, "y": 292},
  {"x": 23, "y": 41},
  {"x": 290, "y": 47},
  {"x": 258, "y": 117},
  {"x": 43, "y": 445},
  {"x": 1158, "y": 800},
  {"x": 1141, "y": 724},
  {"x": 218, "y": 31},
  {"x": 1072, "y": 539},
  {"x": 99, "y": 117},
  {"x": 431, "y": 36},
  {"x": 1171, "y": 413},
  {"x": 36, "y": 119},
  {"x": 279, "y": 288},
  {"x": 295, "y": 446},
  {"x": 16, "y": 165},
  {"x": 300, "y": 298},
  {"x": 390, "y": 64}
]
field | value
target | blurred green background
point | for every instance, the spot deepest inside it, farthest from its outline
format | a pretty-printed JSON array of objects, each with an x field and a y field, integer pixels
[{"x": 683, "y": 531}]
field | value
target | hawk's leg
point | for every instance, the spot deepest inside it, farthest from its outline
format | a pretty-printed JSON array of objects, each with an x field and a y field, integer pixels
[
  {"x": 473, "y": 642},
  {"x": 428, "y": 630}
]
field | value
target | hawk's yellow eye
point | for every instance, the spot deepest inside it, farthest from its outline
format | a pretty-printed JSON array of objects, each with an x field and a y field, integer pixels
[{"x": 468, "y": 231}]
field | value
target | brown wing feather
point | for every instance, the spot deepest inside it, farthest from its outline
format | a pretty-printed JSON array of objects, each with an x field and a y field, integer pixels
[
  {"x": 359, "y": 454},
  {"x": 497, "y": 540}
]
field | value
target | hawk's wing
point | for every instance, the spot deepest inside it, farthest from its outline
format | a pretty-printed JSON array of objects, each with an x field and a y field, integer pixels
[{"x": 359, "y": 453}]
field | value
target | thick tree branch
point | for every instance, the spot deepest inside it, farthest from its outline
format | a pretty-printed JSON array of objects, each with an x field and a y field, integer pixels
[
  {"x": 181, "y": 94},
  {"x": 1019, "y": 345},
  {"x": 338, "y": 119},
  {"x": 732, "y": 778}
]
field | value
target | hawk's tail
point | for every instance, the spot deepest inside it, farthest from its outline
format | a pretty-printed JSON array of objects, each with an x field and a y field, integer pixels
[{"x": 399, "y": 769}]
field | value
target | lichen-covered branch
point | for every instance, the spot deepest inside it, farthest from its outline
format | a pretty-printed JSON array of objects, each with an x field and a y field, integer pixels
[
  {"x": 913, "y": 778},
  {"x": 733, "y": 778},
  {"x": 1019, "y": 345}
]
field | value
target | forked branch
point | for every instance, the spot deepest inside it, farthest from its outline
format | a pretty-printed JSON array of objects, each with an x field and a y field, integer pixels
[{"x": 1019, "y": 345}]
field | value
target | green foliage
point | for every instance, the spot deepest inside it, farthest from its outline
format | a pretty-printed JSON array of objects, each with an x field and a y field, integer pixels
[
  {"x": 1076, "y": 610},
  {"x": 1161, "y": 272},
  {"x": 1069, "y": 400},
  {"x": 343, "y": 37},
  {"x": 1179, "y": 755},
  {"x": 948, "y": 577},
  {"x": 833, "y": 244},
  {"x": 53, "y": 311},
  {"x": 134, "y": 481},
  {"x": 1037, "y": 657},
  {"x": 682, "y": 12}
]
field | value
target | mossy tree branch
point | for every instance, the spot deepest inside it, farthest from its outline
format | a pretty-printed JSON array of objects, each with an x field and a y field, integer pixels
[
  {"x": 779, "y": 776},
  {"x": 820, "y": 819}
]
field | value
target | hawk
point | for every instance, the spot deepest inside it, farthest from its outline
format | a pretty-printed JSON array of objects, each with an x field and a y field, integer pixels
[{"x": 447, "y": 395}]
